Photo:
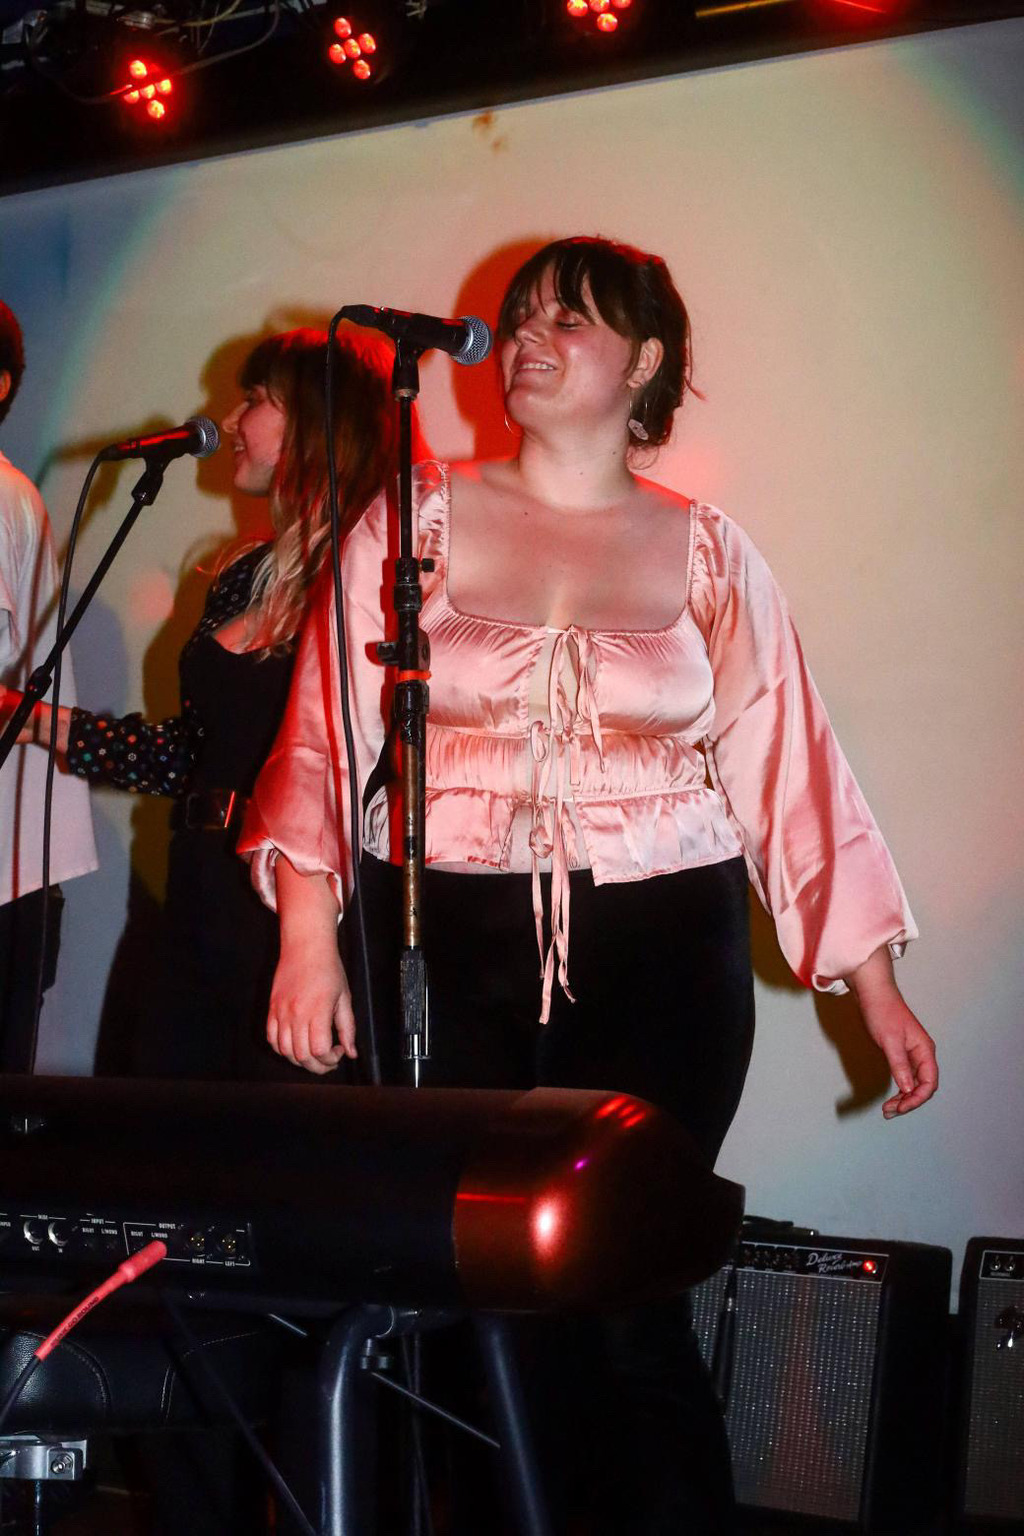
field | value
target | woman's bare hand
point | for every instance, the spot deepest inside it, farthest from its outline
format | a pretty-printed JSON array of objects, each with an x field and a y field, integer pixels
[
  {"x": 310, "y": 1022},
  {"x": 899, "y": 1034},
  {"x": 39, "y": 723}
]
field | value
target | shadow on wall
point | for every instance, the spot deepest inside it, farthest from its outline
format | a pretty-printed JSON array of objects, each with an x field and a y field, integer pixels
[
  {"x": 477, "y": 391},
  {"x": 866, "y": 1069}
]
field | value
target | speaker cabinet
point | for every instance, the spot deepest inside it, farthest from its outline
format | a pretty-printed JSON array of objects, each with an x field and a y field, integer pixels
[
  {"x": 991, "y": 1485},
  {"x": 836, "y": 1376}
]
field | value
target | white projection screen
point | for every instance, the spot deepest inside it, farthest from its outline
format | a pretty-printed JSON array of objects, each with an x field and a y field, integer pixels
[{"x": 846, "y": 229}]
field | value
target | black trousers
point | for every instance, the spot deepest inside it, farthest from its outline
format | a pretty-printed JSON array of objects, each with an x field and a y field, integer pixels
[
  {"x": 206, "y": 1017},
  {"x": 21, "y": 932},
  {"x": 630, "y": 1432}
]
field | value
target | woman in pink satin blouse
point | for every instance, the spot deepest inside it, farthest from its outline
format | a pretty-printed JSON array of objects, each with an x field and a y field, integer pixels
[{"x": 622, "y": 732}]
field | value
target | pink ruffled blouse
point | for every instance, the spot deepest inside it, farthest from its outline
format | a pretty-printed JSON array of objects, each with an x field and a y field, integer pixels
[{"x": 623, "y": 759}]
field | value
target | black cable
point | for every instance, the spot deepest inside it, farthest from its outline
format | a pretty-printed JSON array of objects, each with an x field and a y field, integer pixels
[
  {"x": 20, "y": 1384},
  {"x": 51, "y": 762},
  {"x": 216, "y": 1381},
  {"x": 29, "y": 44},
  {"x": 355, "y": 794}
]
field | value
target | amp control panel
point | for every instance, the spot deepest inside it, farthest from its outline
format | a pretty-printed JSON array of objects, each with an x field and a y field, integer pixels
[{"x": 88, "y": 1238}]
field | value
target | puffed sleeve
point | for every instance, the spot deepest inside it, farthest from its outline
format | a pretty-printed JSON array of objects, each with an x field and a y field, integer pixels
[
  {"x": 300, "y": 804},
  {"x": 814, "y": 853}
]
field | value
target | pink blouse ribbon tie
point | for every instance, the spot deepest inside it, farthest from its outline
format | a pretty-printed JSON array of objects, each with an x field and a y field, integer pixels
[{"x": 556, "y": 748}]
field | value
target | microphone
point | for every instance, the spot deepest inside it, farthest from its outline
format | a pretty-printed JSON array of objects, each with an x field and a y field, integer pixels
[
  {"x": 199, "y": 437},
  {"x": 466, "y": 340}
]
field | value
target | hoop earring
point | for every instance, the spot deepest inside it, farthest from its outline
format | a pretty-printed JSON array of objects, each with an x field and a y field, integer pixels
[{"x": 508, "y": 425}]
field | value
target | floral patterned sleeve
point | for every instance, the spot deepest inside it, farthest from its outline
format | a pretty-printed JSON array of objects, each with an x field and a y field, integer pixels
[{"x": 142, "y": 756}]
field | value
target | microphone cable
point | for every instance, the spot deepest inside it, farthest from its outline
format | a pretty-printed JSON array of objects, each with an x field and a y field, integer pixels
[
  {"x": 354, "y": 791},
  {"x": 51, "y": 764},
  {"x": 199, "y": 1355}
]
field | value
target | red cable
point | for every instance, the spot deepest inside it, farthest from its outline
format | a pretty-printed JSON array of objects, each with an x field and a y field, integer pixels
[{"x": 124, "y": 1274}]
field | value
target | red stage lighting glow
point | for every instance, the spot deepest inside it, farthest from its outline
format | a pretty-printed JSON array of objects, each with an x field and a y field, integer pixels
[
  {"x": 354, "y": 44},
  {"x": 602, "y": 16},
  {"x": 145, "y": 70},
  {"x": 613, "y": 1106},
  {"x": 547, "y": 1225}
]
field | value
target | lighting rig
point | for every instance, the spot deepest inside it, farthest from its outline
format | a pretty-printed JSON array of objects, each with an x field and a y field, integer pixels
[
  {"x": 89, "y": 85},
  {"x": 139, "y": 62}
]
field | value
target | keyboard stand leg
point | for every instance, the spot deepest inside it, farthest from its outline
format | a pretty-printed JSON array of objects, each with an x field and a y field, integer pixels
[
  {"x": 348, "y": 1423},
  {"x": 518, "y": 1457}
]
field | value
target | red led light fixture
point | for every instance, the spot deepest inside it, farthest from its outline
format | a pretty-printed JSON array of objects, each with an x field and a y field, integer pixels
[
  {"x": 360, "y": 40},
  {"x": 597, "y": 17},
  {"x": 146, "y": 81}
]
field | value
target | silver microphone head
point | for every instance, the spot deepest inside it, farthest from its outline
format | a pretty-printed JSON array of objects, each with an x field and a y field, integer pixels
[
  {"x": 478, "y": 343},
  {"x": 207, "y": 434}
]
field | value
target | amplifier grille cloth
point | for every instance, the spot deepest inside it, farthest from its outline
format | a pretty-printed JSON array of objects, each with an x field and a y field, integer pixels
[
  {"x": 800, "y": 1404},
  {"x": 994, "y": 1478}
]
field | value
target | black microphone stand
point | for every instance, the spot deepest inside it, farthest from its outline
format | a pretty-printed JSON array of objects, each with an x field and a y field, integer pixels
[
  {"x": 410, "y": 654},
  {"x": 144, "y": 495},
  {"x": 356, "y": 1341}
]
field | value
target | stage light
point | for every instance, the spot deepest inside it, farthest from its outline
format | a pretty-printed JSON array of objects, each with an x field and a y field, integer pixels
[
  {"x": 599, "y": 18},
  {"x": 362, "y": 51},
  {"x": 146, "y": 82}
]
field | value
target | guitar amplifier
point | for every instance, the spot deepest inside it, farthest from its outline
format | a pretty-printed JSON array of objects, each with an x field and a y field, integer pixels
[
  {"x": 991, "y": 1463},
  {"x": 831, "y": 1356}
]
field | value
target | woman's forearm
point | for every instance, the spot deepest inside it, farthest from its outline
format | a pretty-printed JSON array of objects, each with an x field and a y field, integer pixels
[
  {"x": 310, "y": 1022},
  {"x": 307, "y": 908},
  {"x": 874, "y": 978},
  {"x": 908, "y": 1048}
]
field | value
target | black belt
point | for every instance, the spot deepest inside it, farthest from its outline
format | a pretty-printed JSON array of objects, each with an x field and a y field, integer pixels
[{"x": 211, "y": 810}]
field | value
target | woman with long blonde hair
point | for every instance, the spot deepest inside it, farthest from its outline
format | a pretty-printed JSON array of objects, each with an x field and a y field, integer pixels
[{"x": 206, "y": 1014}]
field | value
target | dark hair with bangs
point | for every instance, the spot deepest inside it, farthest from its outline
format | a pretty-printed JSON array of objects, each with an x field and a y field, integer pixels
[
  {"x": 291, "y": 368},
  {"x": 12, "y": 355},
  {"x": 634, "y": 294}
]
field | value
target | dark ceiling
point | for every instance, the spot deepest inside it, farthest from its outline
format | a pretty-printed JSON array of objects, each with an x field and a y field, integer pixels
[{"x": 446, "y": 55}]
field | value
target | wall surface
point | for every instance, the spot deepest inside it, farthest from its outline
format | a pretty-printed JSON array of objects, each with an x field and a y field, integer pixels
[{"x": 846, "y": 228}]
